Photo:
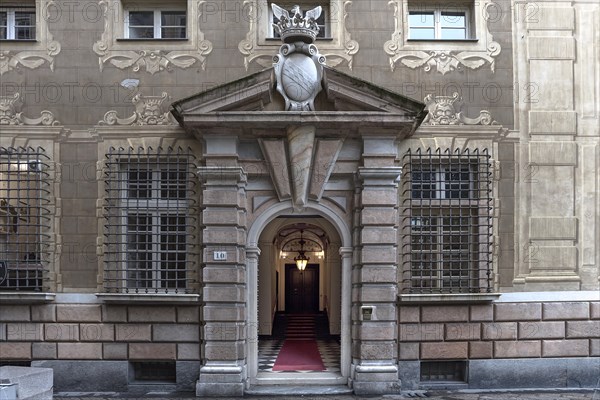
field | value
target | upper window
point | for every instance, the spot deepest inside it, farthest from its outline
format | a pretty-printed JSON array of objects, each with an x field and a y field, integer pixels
[
  {"x": 322, "y": 21},
  {"x": 450, "y": 23},
  {"x": 155, "y": 24},
  {"x": 17, "y": 23},
  {"x": 447, "y": 222},
  {"x": 149, "y": 224},
  {"x": 24, "y": 218}
]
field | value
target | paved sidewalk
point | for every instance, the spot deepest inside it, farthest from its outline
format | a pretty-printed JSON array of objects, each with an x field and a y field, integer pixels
[{"x": 432, "y": 395}]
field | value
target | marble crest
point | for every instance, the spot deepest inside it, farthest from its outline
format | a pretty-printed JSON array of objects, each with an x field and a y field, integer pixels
[
  {"x": 298, "y": 66},
  {"x": 446, "y": 110}
]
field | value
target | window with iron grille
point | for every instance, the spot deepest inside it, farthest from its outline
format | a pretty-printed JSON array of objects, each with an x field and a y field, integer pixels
[
  {"x": 150, "y": 220},
  {"x": 447, "y": 221},
  {"x": 17, "y": 22},
  {"x": 24, "y": 218}
]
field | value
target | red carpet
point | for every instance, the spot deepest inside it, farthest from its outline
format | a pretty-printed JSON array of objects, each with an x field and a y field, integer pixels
[{"x": 299, "y": 355}]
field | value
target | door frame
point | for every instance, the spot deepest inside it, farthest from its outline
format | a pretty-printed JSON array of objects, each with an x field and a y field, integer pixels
[{"x": 252, "y": 255}]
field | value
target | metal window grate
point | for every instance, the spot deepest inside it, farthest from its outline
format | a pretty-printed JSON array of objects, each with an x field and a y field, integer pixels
[
  {"x": 154, "y": 371},
  {"x": 151, "y": 224},
  {"x": 24, "y": 218},
  {"x": 447, "y": 221},
  {"x": 443, "y": 371}
]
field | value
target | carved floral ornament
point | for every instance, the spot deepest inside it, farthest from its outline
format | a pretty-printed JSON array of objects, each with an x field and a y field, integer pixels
[
  {"x": 38, "y": 52},
  {"x": 10, "y": 113},
  {"x": 442, "y": 56},
  {"x": 257, "y": 48},
  {"x": 446, "y": 110},
  {"x": 149, "y": 110},
  {"x": 151, "y": 56}
]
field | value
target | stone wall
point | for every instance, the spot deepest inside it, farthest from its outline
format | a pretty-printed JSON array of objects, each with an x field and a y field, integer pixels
[
  {"x": 499, "y": 330},
  {"x": 99, "y": 332}
]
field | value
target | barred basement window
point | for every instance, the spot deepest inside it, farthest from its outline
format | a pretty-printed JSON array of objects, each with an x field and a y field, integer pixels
[
  {"x": 447, "y": 222},
  {"x": 150, "y": 228},
  {"x": 443, "y": 371},
  {"x": 24, "y": 218}
]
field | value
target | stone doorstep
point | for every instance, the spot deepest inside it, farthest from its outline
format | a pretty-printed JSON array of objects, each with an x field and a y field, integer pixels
[
  {"x": 33, "y": 383},
  {"x": 305, "y": 390}
]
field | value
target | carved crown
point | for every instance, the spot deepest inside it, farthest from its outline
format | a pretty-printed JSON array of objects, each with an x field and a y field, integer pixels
[{"x": 295, "y": 26}]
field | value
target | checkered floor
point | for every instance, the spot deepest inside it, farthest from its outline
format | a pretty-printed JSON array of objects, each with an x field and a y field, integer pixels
[{"x": 269, "y": 349}]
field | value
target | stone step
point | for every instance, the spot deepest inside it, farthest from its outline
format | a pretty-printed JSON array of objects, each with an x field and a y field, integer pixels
[{"x": 33, "y": 383}]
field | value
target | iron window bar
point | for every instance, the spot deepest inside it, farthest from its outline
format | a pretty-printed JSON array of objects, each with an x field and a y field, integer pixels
[
  {"x": 447, "y": 211},
  {"x": 150, "y": 211},
  {"x": 25, "y": 218}
]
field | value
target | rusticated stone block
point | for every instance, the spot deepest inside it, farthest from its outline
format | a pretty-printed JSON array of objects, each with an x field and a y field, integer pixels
[
  {"x": 133, "y": 332},
  {"x": 97, "y": 332},
  {"x": 583, "y": 329},
  {"x": 152, "y": 314},
  {"x": 80, "y": 351},
  {"x": 482, "y": 312},
  {"x": 114, "y": 313},
  {"x": 445, "y": 313},
  {"x": 61, "y": 332},
  {"x": 15, "y": 314},
  {"x": 175, "y": 333},
  {"x": 518, "y": 311},
  {"x": 78, "y": 313},
  {"x": 409, "y": 351},
  {"x": 421, "y": 332},
  {"x": 114, "y": 351},
  {"x": 499, "y": 330},
  {"x": 541, "y": 330},
  {"x": 566, "y": 348},
  {"x": 152, "y": 351},
  {"x": 188, "y": 351},
  {"x": 15, "y": 351},
  {"x": 518, "y": 349},
  {"x": 563, "y": 311},
  {"x": 378, "y": 350},
  {"x": 225, "y": 294},
  {"x": 595, "y": 310},
  {"x": 224, "y": 313},
  {"x": 225, "y": 351},
  {"x": 375, "y": 331},
  {"x": 24, "y": 331},
  {"x": 188, "y": 314},
  {"x": 376, "y": 293},
  {"x": 378, "y": 216},
  {"x": 409, "y": 314},
  {"x": 224, "y": 331},
  {"x": 481, "y": 350},
  {"x": 594, "y": 347},
  {"x": 43, "y": 351},
  {"x": 463, "y": 331},
  {"x": 43, "y": 313},
  {"x": 444, "y": 350}
]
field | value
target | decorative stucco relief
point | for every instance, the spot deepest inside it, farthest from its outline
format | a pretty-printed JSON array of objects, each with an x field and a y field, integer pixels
[
  {"x": 446, "y": 110},
  {"x": 442, "y": 56},
  {"x": 149, "y": 110},
  {"x": 10, "y": 113},
  {"x": 151, "y": 56},
  {"x": 32, "y": 54},
  {"x": 257, "y": 48}
]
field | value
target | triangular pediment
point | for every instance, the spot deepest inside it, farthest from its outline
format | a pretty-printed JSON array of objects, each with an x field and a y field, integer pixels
[{"x": 343, "y": 100}]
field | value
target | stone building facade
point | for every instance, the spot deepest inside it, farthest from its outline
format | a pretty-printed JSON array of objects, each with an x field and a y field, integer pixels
[{"x": 157, "y": 174}]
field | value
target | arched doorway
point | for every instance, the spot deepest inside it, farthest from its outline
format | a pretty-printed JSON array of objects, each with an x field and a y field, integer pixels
[{"x": 268, "y": 283}]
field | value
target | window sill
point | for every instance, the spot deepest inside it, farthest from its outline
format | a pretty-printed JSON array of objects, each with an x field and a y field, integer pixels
[
  {"x": 448, "y": 298},
  {"x": 278, "y": 40},
  {"x": 152, "y": 40},
  {"x": 26, "y": 297},
  {"x": 18, "y": 40},
  {"x": 442, "y": 40},
  {"x": 148, "y": 298}
]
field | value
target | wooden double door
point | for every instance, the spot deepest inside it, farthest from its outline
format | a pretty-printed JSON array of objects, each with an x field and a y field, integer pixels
[{"x": 302, "y": 289}]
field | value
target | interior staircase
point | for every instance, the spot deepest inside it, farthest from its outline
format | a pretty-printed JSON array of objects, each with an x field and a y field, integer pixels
[{"x": 301, "y": 326}]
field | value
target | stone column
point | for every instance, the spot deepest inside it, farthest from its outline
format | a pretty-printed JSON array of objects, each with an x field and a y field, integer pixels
[
  {"x": 223, "y": 370},
  {"x": 374, "y": 347}
]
